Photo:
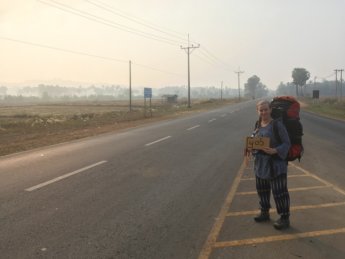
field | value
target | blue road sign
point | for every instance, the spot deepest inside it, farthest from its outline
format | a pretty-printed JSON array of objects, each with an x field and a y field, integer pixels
[{"x": 147, "y": 92}]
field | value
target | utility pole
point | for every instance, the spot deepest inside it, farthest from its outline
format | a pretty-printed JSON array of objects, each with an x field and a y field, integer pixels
[
  {"x": 130, "y": 85},
  {"x": 189, "y": 51},
  {"x": 239, "y": 72},
  {"x": 341, "y": 84},
  {"x": 336, "y": 83},
  {"x": 221, "y": 91}
]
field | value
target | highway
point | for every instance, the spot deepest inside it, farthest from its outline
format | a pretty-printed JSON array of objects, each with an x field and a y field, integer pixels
[{"x": 155, "y": 191}]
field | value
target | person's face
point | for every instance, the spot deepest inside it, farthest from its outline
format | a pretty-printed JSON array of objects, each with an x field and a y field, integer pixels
[{"x": 264, "y": 111}]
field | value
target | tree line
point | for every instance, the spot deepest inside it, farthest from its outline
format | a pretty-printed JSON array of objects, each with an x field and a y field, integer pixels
[
  {"x": 302, "y": 86},
  {"x": 54, "y": 92},
  {"x": 253, "y": 88}
]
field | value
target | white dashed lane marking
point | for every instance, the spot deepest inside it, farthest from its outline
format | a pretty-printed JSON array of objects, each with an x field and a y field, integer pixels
[
  {"x": 33, "y": 188},
  {"x": 159, "y": 140},
  {"x": 194, "y": 127}
]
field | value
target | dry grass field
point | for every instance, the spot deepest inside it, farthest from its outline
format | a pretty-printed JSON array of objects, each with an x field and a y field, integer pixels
[
  {"x": 329, "y": 107},
  {"x": 24, "y": 127}
]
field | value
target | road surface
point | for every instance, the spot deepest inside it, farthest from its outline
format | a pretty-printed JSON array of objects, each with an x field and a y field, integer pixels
[{"x": 158, "y": 191}]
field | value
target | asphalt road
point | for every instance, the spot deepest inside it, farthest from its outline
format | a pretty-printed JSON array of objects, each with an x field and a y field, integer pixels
[
  {"x": 148, "y": 192},
  {"x": 324, "y": 143}
]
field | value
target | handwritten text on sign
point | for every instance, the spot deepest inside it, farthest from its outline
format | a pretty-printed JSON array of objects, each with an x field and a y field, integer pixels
[{"x": 257, "y": 142}]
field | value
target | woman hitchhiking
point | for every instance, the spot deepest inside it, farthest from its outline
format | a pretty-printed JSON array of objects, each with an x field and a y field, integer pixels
[{"x": 270, "y": 167}]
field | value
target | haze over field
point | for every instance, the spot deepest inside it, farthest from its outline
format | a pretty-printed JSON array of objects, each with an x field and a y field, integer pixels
[{"x": 54, "y": 40}]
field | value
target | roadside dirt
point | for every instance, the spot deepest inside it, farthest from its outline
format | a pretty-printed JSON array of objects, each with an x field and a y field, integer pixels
[
  {"x": 303, "y": 104},
  {"x": 26, "y": 138}
]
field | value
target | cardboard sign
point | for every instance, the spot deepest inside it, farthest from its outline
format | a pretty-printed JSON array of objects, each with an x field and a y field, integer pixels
[{"x": 257, "y": 142}]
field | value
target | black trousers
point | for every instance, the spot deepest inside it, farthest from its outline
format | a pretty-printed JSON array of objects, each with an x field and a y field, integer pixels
[{"x": 281, "y": 196}]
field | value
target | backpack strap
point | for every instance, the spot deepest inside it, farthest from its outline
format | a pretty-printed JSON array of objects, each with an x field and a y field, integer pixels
[
  {"x": 277, "y": 137},
  {"x": 256, "y": 125},
  {"x": 256, "y": 128},
  {"x": 275, "y": 131}
]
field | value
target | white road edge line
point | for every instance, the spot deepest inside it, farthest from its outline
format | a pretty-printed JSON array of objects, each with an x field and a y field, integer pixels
[
  {"x": 33, "y": 188},
  {"x": 159, "y": 140},
  {"x": 196, "y": 126},
  {"x": 211, "y": 120}
]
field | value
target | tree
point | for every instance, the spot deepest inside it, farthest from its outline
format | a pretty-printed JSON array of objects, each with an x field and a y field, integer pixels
[
  {"x": 251, "y": 86},
  {"x": 300, "y": 77},
  {"x": 261, "y": 90},
  {"x": 285, "y": 89}
]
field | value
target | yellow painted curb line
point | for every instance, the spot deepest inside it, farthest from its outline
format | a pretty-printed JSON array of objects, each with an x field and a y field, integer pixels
[{"x": 212, "y": 237}]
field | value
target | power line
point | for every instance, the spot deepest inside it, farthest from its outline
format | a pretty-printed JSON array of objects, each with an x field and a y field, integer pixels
[
  {"x": 107, "y": 22},
  {"x": 205, "y": 57},
  {"x": 206, "y": 53},
  {"x": 208, "y": 56},
  {"x": 210, "y": 61},
  {"x": 156, "y": 69},
  {"x": 112, "y": 10},
  {"x": 85, "y": 54},
  {"x": 63, "y": 50},
  {"x": 215, "y": 57},
  {"x": 137, "y": 18},
  {"x": 206, "y": 60},
  {"x": 328, "y": 76},
  {"x": 324, "y": 77}
]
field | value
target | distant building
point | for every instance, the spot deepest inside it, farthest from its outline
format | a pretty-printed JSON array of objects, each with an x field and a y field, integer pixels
[{"x": 169, "y": 98}]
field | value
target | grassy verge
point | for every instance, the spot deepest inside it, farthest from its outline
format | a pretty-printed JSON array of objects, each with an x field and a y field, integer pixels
[
  {"x": 26, "y": 127},
  {"x": 328, "y": 107}
]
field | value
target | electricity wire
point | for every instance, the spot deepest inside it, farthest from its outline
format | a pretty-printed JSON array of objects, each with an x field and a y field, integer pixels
[
  {"x": 156, "y": 69},
  {"x": 84, "y": 54},
  {"x": 208, "y": 56},
  {"x": 63, "y": 50},
  {"x": 107, "y": 22},
  {"x": 117, "y": 12},
  {"x": 215, "y": 57}
]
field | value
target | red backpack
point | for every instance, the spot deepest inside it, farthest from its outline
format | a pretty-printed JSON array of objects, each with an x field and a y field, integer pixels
[{"x": 286, "y": 109}]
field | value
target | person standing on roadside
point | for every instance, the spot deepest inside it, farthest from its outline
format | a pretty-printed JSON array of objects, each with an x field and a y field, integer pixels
[{"x": 270, "y": 167}]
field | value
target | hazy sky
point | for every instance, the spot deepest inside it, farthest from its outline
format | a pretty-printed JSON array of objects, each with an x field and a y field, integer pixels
[{"x": 267, "y": 38}]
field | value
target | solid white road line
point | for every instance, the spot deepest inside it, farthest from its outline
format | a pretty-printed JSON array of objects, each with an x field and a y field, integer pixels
[
  {"x": 159, "y": 140},
  {"x": 211, "y": 120},
  {"x": 33, "y": 188},
  {"x": 196, "y": 126}
]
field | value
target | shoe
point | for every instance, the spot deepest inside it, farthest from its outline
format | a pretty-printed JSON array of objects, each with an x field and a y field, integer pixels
[
  {"x": 282, "y": 223},
  {"x": 263, "y": 216}
]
